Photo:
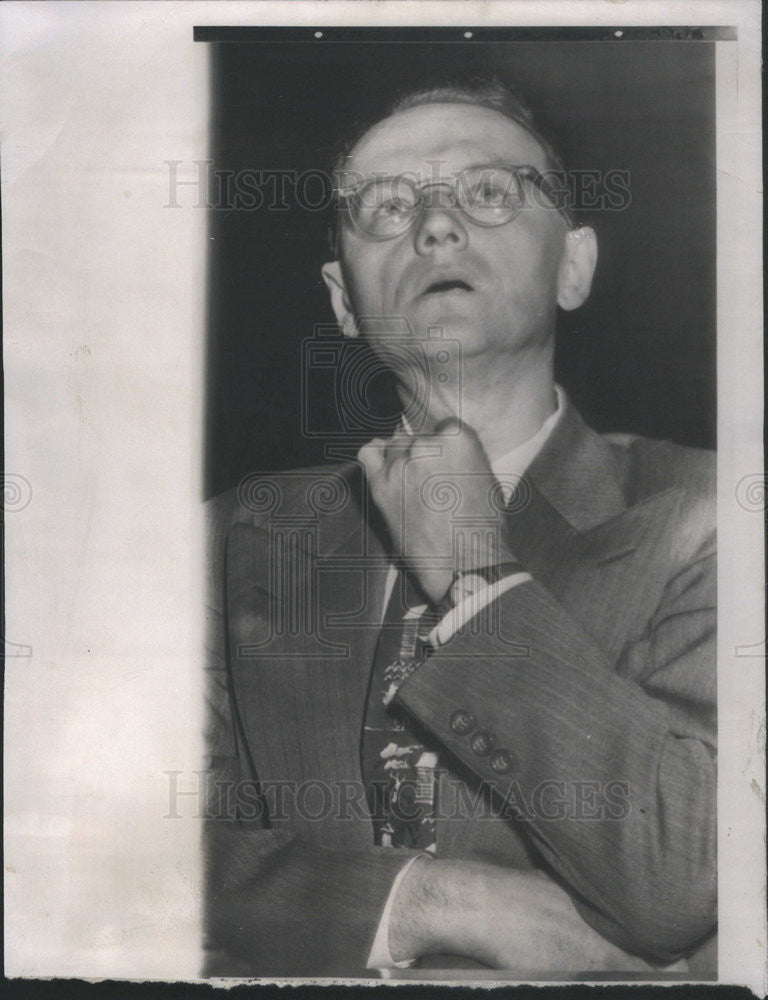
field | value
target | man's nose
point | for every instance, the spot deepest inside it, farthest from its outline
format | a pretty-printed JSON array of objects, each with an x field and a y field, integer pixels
[{"x": 439, "y": 226}]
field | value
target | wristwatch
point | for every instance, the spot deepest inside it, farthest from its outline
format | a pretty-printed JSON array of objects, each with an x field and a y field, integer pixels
[{"x": 468, "y": 581}]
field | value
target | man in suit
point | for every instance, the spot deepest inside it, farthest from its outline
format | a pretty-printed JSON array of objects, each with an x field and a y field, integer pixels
[{"x": 464, "y": 683}]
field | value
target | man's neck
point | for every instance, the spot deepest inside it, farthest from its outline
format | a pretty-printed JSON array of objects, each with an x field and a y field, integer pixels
[{"x": 505, "y": 405}]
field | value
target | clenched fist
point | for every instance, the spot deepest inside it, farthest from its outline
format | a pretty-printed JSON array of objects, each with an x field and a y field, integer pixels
[{"x": 440, "y": 501}]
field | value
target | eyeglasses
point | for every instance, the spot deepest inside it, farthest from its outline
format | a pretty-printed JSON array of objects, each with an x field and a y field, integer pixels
[{"x": 489, "y": 195}]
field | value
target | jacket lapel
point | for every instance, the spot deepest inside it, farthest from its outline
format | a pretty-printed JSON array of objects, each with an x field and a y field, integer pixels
[
  {"x": 304, "y": 594},
  {"x": 570, "y": 525}
]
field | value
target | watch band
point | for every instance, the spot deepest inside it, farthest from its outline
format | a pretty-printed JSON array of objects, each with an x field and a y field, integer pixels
[{"x": 468, "y": 581}]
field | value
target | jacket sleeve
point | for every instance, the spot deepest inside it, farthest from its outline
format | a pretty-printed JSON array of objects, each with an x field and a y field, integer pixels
[
  {"x": 612, "y": 764},
  {"x": 280, "y": 906}
]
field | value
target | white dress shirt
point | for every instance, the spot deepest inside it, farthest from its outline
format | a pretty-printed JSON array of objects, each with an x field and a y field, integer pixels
[{"x": 507, "y": 469}]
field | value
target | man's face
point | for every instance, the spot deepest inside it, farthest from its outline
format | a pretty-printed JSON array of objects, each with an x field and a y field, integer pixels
[{"x": 510, "y": 271}]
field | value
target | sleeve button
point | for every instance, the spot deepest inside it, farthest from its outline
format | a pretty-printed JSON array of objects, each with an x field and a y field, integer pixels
[
  {"x": 482, "y": 743},
  {"x": 501, "y": 761},
  {"x": 462, "y": 721}
]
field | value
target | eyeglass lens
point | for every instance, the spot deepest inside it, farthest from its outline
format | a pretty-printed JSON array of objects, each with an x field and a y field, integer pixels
[{"x": 487, "y": 195}]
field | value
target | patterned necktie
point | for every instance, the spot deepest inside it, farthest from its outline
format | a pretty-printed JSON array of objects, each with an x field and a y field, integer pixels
[{"x": 399, "y": 766}]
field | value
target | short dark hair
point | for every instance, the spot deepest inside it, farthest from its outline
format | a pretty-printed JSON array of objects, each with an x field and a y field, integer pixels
[{"x": 478, "y": 92}]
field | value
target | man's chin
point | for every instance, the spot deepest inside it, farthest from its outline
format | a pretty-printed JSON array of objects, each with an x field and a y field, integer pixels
[
  {"x": 466, "y": 330},
  {"x": 447, "y": 308},
  {"x": 458, "y": 328}
]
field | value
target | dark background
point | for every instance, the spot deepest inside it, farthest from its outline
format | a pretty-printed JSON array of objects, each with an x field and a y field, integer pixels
[{"x": 639, "y": 356}]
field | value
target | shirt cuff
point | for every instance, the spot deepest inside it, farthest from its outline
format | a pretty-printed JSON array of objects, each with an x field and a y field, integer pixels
[
  {"x": 449, "y": 625},
  {"x": 380, "y": 956}
]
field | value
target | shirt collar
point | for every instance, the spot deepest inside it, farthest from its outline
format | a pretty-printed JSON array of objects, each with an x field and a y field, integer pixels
[
  {"x": 514, "y": 463},
  {"x": 510, "y": 466}
]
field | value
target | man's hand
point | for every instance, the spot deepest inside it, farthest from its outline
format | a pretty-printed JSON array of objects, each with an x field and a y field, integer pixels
[
  {"x": 440, "y": 501},
  {"x": 520, "y": 921}
]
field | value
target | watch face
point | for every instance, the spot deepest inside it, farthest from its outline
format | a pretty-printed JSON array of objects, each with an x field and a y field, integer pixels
[{"x": 466, "y": 585}]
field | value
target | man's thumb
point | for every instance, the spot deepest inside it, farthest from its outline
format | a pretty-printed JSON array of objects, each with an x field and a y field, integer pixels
[{"x": 372, "y": 457}]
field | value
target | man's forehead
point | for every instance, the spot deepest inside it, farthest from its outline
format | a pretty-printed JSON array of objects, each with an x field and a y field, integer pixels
[{"x": 454, "y": 135}]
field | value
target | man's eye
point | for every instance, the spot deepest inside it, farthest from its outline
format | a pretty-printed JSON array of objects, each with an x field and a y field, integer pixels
[
  {"x": 492, "y": 193},
  {"x": 394, "y": 206}
]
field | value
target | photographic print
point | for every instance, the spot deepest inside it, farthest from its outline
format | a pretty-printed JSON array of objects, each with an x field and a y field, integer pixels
[
  {"x": 383, "y": 514},
  {"x": 462, "y": 405}
]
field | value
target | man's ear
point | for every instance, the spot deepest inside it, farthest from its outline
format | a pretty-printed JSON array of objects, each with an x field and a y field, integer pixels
[
  {"x": 334, "y": 281},
  {"x": 577, "y": 268}
]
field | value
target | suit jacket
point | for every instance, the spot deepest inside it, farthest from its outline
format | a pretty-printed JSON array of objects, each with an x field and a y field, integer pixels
[{"x": 594, "y": 685}]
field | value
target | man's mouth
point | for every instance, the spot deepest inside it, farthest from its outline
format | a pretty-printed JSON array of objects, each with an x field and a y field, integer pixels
[{"x": 451, "y": 285}]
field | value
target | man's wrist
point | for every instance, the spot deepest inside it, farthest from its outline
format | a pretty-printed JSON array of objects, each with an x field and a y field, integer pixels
[
  {"x": 488, "y": 567},
  {"x": 410, "y": 922},
  {"x": 380, "y": 956},
  {"x": 437, "y": 910},
  {"x": 468, "y": 582},
  {"x": 453, "y": 618}
]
